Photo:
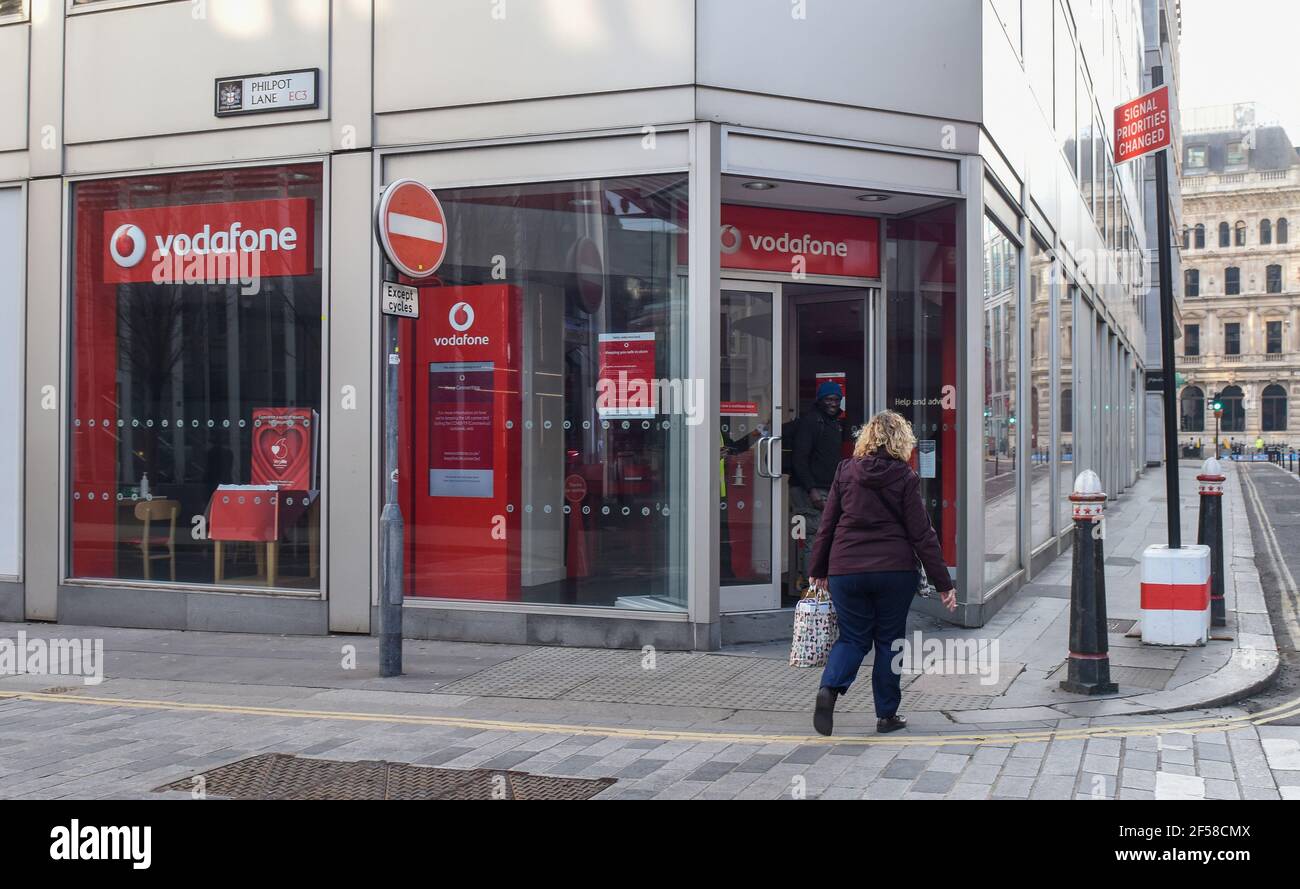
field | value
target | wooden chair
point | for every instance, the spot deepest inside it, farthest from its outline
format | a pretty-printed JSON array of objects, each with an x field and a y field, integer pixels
[{"x": 153, "y": 545}]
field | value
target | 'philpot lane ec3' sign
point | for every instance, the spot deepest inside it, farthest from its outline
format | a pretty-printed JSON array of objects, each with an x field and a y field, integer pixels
[{"x": 277, "y": 91}]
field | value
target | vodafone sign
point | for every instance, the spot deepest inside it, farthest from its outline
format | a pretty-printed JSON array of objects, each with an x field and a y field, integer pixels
[
  {"x": 279, "y": 232},
  {"x": 764, "y": 239},
  {"x": 412, "y": 228}
]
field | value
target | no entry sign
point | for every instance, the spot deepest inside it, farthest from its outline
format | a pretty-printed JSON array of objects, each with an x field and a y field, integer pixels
[
  {"x": 412, "y": 228},
  {"x": 1142, "y": 125}
]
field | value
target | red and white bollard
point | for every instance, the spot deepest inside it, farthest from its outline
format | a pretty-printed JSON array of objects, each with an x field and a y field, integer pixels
[{"x": 1175, "y": 595}]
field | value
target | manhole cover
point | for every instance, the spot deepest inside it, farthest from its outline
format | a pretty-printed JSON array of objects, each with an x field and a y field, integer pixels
[
  {"x": 1119, "y": 625},
  {"x": 282, "y": 776}
]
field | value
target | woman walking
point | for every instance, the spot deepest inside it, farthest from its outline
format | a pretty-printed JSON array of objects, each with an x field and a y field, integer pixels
[{"x": 874, "y": 528}]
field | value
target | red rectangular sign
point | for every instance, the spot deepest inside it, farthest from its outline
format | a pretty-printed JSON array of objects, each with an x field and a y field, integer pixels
[
  {"x": 1142, "y": 125},
  {"x": 284, "y": 448},
  {"x": 770, "y": 240},
  {"x": 209, "y": 242}
]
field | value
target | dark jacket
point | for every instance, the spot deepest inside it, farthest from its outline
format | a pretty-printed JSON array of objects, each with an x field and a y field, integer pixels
[
  {"x": 818, "y": 443},
  {"x": 875, "y": 520}
]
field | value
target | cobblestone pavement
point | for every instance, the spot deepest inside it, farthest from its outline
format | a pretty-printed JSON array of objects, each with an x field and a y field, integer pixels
[{"x": 53, "y": 747}]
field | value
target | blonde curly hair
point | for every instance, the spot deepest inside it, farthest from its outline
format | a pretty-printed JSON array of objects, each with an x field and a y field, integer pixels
[{"x": 888, "y": 430}]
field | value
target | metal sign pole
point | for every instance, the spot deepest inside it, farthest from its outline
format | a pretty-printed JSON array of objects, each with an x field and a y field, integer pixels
[
  {"x": 1167, "y": 334},
  {"x": 390, "y": 521}
]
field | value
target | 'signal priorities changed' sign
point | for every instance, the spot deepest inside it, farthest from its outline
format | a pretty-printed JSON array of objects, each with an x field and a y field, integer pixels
[{"x": 1142, "y": 125}]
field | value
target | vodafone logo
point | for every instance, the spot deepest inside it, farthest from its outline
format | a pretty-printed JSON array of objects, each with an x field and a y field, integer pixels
[
  {"x": 461, "y": 319},
  {"x": 462, "y": 309},
  {"x": 127, "y": 245},
  {"x": 206, "y": 241},
  {"x": 730, "y": 239}
]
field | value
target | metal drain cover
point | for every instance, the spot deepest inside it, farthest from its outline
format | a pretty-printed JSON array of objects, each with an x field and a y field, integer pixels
[{"x": 282, "y": 776}]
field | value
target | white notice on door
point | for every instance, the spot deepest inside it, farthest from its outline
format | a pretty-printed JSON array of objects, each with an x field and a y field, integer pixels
[{"x": 925, "y": 452}]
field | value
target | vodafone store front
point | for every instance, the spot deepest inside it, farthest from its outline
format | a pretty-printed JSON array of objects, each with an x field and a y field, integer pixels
[
  {"x": 598, "y": 403},
  {"x": 597, "y": 406}
]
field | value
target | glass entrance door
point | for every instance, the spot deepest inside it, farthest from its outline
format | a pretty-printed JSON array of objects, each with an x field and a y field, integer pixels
[
  {"x": 779, "y": 344},
  {"x": 829, "y": 342},
  {"x": 749, "y": 424}
]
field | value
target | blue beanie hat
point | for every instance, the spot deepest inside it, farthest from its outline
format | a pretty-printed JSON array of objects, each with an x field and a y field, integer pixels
[{"x": 829, "y": 388}]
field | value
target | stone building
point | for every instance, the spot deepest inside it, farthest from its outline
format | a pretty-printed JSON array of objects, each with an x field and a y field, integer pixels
[{"x": 1241, "y": 279}]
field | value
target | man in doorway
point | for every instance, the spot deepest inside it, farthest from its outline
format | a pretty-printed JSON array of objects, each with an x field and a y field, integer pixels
[{"x": 819, "y": 436}]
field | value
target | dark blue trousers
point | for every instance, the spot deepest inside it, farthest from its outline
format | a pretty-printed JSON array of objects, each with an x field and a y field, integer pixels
[{"x": 872, "y": 609}]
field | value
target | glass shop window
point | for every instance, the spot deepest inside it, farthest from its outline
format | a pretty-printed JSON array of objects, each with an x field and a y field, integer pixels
[{"x": 196, "y": 378}]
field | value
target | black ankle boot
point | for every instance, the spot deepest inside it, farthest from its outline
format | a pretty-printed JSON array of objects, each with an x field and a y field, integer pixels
[
  {"x": 824, "y": 713},
  {"x": 891, "y": 724}
]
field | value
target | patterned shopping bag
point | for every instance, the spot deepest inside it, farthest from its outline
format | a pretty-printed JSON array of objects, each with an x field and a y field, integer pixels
[{"x": 815, "y": 630}]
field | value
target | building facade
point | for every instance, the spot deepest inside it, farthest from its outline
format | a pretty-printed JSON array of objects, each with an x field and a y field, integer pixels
[
  {"x": 1241, "y": 195},
  {"x": 658, "y": 243}
]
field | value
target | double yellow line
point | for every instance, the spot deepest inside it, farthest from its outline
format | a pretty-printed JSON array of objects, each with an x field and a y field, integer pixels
[{"x": 1191, "y": 726}]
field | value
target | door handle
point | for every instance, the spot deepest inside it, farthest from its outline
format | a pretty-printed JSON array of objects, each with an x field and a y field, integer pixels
[
  {"x": 773, "y": 472},
  {"x": 759, "y": 462}
]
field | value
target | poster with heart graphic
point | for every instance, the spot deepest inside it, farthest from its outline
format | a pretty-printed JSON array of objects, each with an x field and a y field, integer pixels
[{"x": 284, "y": 447}]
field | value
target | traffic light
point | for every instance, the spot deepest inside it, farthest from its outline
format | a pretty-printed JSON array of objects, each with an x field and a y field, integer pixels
[{"x": 1216, "y": 404}]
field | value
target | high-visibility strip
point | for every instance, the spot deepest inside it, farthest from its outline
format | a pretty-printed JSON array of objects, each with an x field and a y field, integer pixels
[
  {"x": 414, "y": 227},
  {"x": 1175, "y": 596}
]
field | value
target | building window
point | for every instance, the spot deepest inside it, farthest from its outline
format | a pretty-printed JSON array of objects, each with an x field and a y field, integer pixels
[
  {"x": 1225, "y": 235},
  {"x": 1196, "y": 156},
  {"x": 196, "y": 377},
  {"x": 1274, "y": 278},
  {"x": 12, "y": 8},
  {"x": 1192, "y": 282},
  {"x": 1002, "y": 369},
  {"x": 550, "y": 399},
  {"x": 1232, "y": 338},
  {"x": 1236, "y": 154},
  {"x": 1234, "y": 410},
  {"x": 1187, "y": 237},
  {"x": 1281, "y": 231},
  {"x": 1191, "y": 414},
  {"x": 1191, "y": 339},
  {"x": 1200, "y": 236},
  {"x": 1273, "y": 337},
  {"x": 1272, "y": 406},
  {"x": 1240, "y": 232},
  {"x": 1265, "y": 231},
  {"x": 1232, "y": 280}
]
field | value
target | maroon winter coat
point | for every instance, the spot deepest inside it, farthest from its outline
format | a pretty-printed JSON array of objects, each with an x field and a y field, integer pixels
[{"x": 874, "y": 520}]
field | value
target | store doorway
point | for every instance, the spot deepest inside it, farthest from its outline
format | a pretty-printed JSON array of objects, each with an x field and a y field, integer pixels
[{"x": 779, "y": 343}]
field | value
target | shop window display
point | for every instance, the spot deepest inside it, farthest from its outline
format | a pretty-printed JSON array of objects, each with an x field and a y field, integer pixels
[
  {"x": 543, "y": 404},
  {"x": 196, "y": 378}
]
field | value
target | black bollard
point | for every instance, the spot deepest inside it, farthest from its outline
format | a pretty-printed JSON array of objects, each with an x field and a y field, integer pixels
[
  {"x": 1089, "y": 663},
  {"x": 1209, "y": 532}
]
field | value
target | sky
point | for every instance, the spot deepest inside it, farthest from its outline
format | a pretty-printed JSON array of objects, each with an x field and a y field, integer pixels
[{"x": 1242, "y": 51}]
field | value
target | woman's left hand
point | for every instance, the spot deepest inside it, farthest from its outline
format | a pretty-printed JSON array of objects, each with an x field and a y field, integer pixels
[{"x": 949, "y": 600}]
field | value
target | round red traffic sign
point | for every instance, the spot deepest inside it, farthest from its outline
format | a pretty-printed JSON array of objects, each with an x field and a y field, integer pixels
[
  {"x": 575, "y": 488},
  {"x": 412, "y": 228}
]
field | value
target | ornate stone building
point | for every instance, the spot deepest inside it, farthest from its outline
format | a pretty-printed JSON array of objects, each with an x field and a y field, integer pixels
[{"x": 1241, "y": 280}]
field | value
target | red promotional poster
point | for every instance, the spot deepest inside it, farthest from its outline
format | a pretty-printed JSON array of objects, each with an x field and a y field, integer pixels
[
  {"x": 625, "y": 386},
  {"x": 284, "y": 448},
  {"x": 765, "y": 239},
  {"x": 461, "y": 395},
  {"x": 217, "y": 241}
]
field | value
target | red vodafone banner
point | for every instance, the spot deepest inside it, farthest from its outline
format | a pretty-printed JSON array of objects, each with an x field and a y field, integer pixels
[
  {"x": 412, "y": 228},
  {"x": 764, "y": 239},
  {"x": 155, "y": 243},
  {"x": 1142, "y": 125}
]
